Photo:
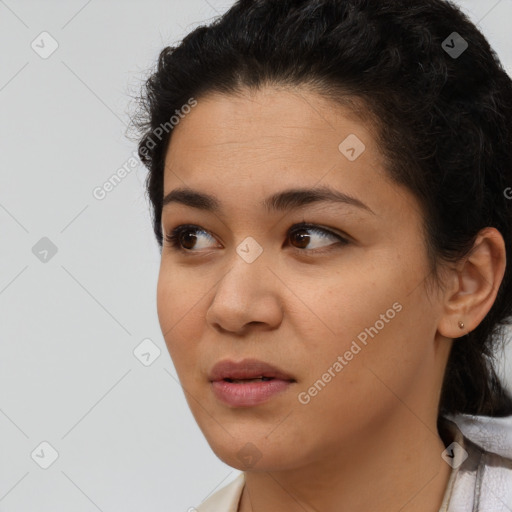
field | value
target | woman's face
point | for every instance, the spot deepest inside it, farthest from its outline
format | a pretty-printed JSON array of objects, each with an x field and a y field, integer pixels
[{"x": 340, "y": 306}]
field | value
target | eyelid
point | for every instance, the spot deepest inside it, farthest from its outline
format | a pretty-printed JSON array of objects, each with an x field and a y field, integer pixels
[
  {"x": 343, "y": 239},
  {"x": 172, "y": 236},
  {"x": 320, "y": 227}
]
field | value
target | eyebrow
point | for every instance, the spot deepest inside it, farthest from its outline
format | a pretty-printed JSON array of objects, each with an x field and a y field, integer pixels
[{"x": 282, "y": 201}]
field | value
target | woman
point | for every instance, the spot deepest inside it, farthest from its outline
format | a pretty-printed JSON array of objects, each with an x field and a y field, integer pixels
[{"x": 329, "y": 185}]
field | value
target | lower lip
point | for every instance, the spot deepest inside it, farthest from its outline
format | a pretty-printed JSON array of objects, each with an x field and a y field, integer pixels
[{"x": 247, "y": 394}]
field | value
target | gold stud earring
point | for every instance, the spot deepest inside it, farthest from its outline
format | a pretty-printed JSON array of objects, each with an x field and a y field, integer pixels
[{"x": 461, "y": 325}]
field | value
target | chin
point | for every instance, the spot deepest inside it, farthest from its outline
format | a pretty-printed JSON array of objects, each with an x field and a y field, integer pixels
[{"x": 252, "y": 452}]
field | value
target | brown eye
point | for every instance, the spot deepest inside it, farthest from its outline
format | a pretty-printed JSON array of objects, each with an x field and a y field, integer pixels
[
  {"x": 186, "y": 237},
  {"x": 305, "y": 237},
  {"x": 305, "y": 234},
  {"x": 301, "y": 238}
]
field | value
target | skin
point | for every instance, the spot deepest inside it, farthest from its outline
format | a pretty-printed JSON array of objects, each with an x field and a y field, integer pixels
[{"x": 368, "y": 440}]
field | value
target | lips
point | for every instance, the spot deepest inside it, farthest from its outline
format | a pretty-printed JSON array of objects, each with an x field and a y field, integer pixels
[{"x": 246, "y": 370}]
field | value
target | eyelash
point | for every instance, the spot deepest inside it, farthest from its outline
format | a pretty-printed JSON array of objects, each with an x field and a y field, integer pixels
[{"x": 173, "y": 237}]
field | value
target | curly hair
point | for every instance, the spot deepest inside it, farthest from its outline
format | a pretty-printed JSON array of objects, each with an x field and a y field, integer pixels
[{"x": 437, "y": 93}]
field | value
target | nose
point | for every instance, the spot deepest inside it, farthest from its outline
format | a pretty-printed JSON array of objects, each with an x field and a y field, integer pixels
[{"x": 248, "y": 295}]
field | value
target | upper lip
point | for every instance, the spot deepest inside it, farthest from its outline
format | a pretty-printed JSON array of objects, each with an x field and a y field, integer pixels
[{"x": 246, "y": 369}]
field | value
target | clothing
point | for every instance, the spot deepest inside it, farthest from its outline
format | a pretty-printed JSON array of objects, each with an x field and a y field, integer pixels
[
  {"x": 481, "y": 483},
  {"x": 226, "y": 499}
]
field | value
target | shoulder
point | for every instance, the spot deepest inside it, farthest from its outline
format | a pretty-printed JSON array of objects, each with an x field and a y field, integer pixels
[
  {"x": 483, "y": 477},
  {"x": 225, "y": 499}
]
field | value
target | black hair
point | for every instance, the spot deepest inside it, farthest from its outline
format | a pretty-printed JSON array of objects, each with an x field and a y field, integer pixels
[{"x": 438, "y": 94}]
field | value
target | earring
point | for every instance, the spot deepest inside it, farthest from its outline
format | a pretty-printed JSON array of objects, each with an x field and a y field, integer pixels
[{"x": 461, "y": 325}]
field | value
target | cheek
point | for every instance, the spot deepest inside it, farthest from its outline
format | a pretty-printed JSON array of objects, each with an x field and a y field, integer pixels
[
  {"x": 343, "y": 303},
  {"x": 179, "y": 313},
  {"x": 373, "y": 322},
  {"x": 178, "y": 295},
  {"x": 353, "y": 384}
]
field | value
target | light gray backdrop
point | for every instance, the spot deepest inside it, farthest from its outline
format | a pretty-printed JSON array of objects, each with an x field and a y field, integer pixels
[{"x": 78, "y": 274}]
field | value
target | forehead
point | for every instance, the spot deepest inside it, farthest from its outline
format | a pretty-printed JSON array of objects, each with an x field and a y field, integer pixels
[
  {"x": 245, "y": 147},
  {"x": 272, "y": 114},
  {"x": 274, "y": 129}
]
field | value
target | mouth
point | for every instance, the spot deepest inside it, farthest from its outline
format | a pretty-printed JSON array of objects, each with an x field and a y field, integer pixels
[
  {"x": 248, "y": 392},
  {"x": 243, "y": 381},
  {"x": 247, "y": 370},
  {"x": 248, "y": 383}
]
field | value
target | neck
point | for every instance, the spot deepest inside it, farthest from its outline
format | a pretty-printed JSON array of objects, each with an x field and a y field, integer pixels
[{"x": 397, "y": 466}]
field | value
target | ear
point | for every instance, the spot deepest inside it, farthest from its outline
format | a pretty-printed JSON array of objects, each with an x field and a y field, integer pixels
[{"x": 473, "y": 285}]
